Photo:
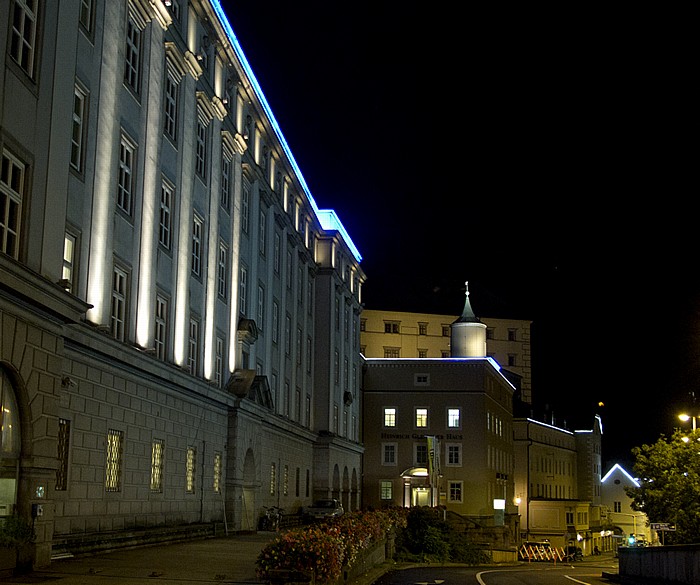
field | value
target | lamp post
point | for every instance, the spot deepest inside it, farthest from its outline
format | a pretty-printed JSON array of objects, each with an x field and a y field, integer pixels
[{"x": 686, "y": 417}]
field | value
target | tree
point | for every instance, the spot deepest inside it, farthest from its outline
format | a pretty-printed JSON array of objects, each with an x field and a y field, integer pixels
[
  {"x": 16, "y": 532},
  {"x": 669, "y": 476}
]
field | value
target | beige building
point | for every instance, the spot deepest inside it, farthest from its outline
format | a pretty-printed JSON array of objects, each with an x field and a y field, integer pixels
[
  {"x": 180, "y": 331},
  {"x": 394, "y": 334},
  {"x": 620, "y": 519}
]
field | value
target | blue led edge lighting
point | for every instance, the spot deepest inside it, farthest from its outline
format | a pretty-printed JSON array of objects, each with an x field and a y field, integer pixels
[{"x": 258, "y": 91}]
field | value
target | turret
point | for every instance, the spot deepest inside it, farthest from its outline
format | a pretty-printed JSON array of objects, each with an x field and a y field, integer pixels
[{"x": 468, "y": 333}]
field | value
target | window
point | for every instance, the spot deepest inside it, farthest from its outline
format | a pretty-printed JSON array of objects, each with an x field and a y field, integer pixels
[
  {"x": 389, "y": 417},
  {"x": 119, "y": 297},
  {"x": 454, "y": 491},
  {"x": 222, "y": 271},
  {"x": 23, "y": 35},
  {"x": 273, "y": 479},
  {"x": 445, "y": 354},
  {"x": 512, "y": 361},
  {"x": 391, "y": 352},
  {"x": 288, "y": 334},
  {"x": 421, "y": 379},
  {"x": 132, "y": 69},
  {"x": 226, "y": 167},
  {"x": 193, "y": 348},
  {"x": 78, "y": 128},
  {"x": 11, "y": 188},
  {"x": 69, "y": 251},
  {"x": 453, "y": 418},
  {"x": 285, "y": 481},
  {"x": 125, "y": 187},
  {"x": 363, "y": 324},
  {"x": 617, "y": 507},
  {"x": 63, "y": 444},
  {"x": 219, "y": 362},
  {"x": 243, "y": 290},
  {"x": 245, "y": 208},
  {"x": 422, "y": 329},
  {"x": 391, "y": 328},
  {"x": 86, "y": 14},
  {"x": 421, "y": 454},
  {"x": 422, "y": 353},
  {"x": 421, "y": 418},
  {"x": 166, "y": 219},
  {"x": 113, "y": 465},
  {"x": 190, "y": 468},
  {"x": 170, "y": 105},
  {"x": 197, "y": 231},
  {"x": 512, "y": 334},
  {"x": 489, "y": 333},
  {"x": 299, "y": 348},
  {"x": 454, "y": 454},
  {"x": 297, "y": 482},
  {"x": 201, "y": 149},
  {"x": 157, "y": 452},
  {"x": 161, "y": 327},
  {"x": 217, "y": 473},
  {"x": 445, "y": 330},
  {"x": 275, "y": 321},
  {"x": 276, "y": 253},
  {"x": 261, "y": 233},
  {"x": 385, "y": 490},
  {"x": 174, "y": 7},
  {"x": 389, "y": 453},
  {"x": 261, "y": 307}
]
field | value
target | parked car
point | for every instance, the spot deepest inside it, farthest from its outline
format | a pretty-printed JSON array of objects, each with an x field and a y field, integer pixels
[{"x": 324, "y": 509}]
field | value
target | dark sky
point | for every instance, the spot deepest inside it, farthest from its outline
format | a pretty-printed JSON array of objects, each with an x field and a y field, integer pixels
[{"x": 542, "y": 155}]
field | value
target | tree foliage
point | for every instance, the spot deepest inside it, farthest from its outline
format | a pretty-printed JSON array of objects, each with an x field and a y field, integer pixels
[{"x": 669, "y": 476}]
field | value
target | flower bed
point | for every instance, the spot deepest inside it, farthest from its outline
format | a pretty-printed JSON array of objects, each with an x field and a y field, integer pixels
[{"x": 323, "y": 549}]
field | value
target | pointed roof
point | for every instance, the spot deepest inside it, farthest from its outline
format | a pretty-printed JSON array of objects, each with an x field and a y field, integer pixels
[{"x": 468, "y": 315}]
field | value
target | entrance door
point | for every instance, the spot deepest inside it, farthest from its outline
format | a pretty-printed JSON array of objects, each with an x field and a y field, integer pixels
[{"x": 420, "y": 496}]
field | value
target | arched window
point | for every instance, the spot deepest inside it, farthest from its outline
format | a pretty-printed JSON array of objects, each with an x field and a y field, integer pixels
[{"x": 9, "y": 445}]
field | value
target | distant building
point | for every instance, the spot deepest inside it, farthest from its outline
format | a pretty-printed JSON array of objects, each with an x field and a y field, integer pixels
[{"x": 622, "y": 520}]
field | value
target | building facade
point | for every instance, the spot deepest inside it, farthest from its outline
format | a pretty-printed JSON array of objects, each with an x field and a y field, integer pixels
[{"x": 180, "y": 319}]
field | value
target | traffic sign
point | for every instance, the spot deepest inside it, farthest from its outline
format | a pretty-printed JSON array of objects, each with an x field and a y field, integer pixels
[{"x": 662, "y": 526}]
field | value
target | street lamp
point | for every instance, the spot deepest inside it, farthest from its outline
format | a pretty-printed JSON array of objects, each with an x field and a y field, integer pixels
[{"x": 686, "y": 417}]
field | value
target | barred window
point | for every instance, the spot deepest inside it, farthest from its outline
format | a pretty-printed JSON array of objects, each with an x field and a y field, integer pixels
[
  {"x": 11, "y": 189},
  {"x": 63, "y": 444},
  {"x": 157, "y": 452},
  {"x": 113, "y": 467},
  {"x": 119, "y": 298},
  {"x": 190, "y": 468},
  {"x": 23, "y": 34},
  {"x": 217, "y": 473}
]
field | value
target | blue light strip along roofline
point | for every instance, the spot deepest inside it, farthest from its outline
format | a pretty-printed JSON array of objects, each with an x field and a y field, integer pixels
[{"x": 258, "y": 91}]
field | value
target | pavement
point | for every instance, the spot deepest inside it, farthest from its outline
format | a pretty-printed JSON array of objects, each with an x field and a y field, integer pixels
[{"x": 220, "y": 560}]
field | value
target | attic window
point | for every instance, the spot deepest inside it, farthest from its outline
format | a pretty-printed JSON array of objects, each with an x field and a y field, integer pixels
[{"x": 421, "y": 379}]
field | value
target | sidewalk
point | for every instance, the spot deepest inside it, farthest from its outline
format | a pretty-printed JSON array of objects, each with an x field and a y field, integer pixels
[{"x": 222, "y": 560}]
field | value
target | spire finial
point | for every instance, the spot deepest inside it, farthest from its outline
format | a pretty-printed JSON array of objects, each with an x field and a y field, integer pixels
[{"x": 466, "y": 286}]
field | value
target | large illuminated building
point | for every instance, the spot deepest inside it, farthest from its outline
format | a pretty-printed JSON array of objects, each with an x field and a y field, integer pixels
[{"x": 180, "y": 330}]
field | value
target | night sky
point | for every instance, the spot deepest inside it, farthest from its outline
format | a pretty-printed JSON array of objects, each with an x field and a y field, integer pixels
[{"x": 542, "y": 155}]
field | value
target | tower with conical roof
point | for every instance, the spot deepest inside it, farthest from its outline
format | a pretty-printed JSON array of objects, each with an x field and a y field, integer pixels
[{"x": 468, "y": 333}]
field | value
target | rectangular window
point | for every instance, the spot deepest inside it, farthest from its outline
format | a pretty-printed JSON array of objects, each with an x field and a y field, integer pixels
[
  {"x": 190, "y": 468},
  {"x": 422, "y": 353},
  {"x": 389, "y": 417},
  {"x": 193, "y": 348},
  {"x": 222, "y": 270},
  {"x": 197, "y": 231},
  {"x": 454, "y": 491},
  {"x": 288, "y": 334},
  {"x": 11, "y": 189},
  {"x": 157, "y": 453},
  {"x": 297, "y": 482},
  {"x": 285, "y": 481},
  {"x": 617, "y": 507},
  {"x": 273, "y": 479},
  {"x": 276, "y": 253},
  {"x": 422, "y": 329},
  {"x": 453, "y": 418},
  {"x": 132, "y": 69},
  {"x": 421, "y": 418},
  {"x": 245, "y": 208},
  {"x": 113, "y": 464},
  {"x": 78, "y": 129},
  {"x": 86, "y": 14},
  {"x": 219, "y": 362},
  {"x": 386, "y": 490},
  {"x": 391, "y": 327},
  {"x": 226, "y": 167},
  {"x": 391, "y": 352},
  {"x": 389, "y": 453},
  {"x": 125, "y": 186},
  {"x": 243, "y": 291},
  {"x": 512, "y": 334},
  {"x": 454, "y": 454},
  {"x": 166, "y": 218},
  {"x": 161, "y": 327},
  {"x": 201, "y": 149},
  {"x": 217, "y": 473},
  {"x": 170, "y": 105},
  {"x": 262, "y": 233},
  {"x": 261, "y": 307},
  {"x": 119, "y": 298},
  {"x": 445, "y": 330},
  {"x": 63, "y": 444},
  {"x": 69, "y": 251},
  {"x": 421, "y": 454},
  {"x": 23, "y": 34},
  {"x": 275, "y": 321}
]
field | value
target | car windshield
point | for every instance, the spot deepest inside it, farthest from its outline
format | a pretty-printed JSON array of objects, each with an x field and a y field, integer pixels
[{"x": 325, "y": 504}]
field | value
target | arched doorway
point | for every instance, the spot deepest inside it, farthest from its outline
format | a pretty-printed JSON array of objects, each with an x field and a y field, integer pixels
[{"x": 417, "y": 491}]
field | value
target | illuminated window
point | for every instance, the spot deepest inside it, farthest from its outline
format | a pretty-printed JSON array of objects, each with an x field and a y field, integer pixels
[
  {"x": 166, "y": 218},
  {"x": 197, "y": 234},
  {"x": 243, "y": 290},
  {"x": 193, "y": 348},
  {"x": 69, "y": 251},
  {"x": 389, "y": 452},
  {"x": 23, "y": 33},
  {"x": 157, "y": 453},
  {"x": 161, "y": 327},
  {"x": 222, "y": 270},
  {"x": 119, "y": 298},
  {"x": 285, "y": 481},
  {"x": 453, "y": 418},
  {"x": 132, "y": 69},
  {"x": 219, "y": 362},
  {"x": 454, "y": 454},
  {"x": 78, "y": 128},
  {"x": 226, "y": 168},
  {"x": 190, "y": 468},
  {"x": 170, "y": 104},
  {"x": 125, "y": 185},
  {"x": 63, "y": 444},
  {"x": 217, "y": 473},
  {"x": 86, "y": 14},
  {"x": 273, "y": 479},
  {"x": 454, "y": 491},
  {"x": 421, "y": 418},
  {"x": 389, "y": 417},
  {"x": 386, "y": 491},
  {"x": 421, "y": 454},
  {"x": 113, "y": 464}
]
